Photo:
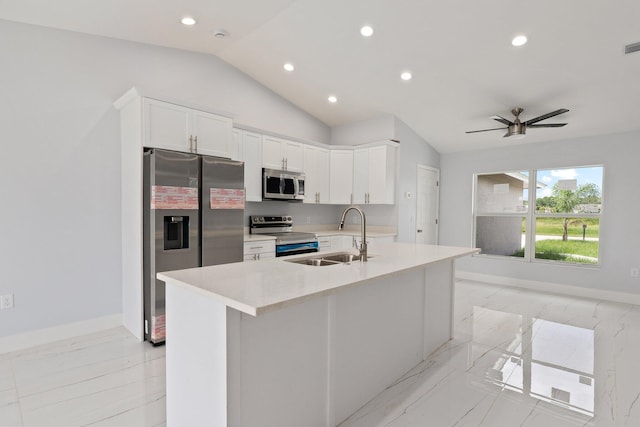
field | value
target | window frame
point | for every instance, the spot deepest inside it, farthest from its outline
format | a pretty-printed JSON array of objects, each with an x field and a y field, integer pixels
[{"x": 531, "y": 215}]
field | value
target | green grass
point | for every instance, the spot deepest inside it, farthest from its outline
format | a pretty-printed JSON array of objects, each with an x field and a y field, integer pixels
[
  {"x": 565, "y": 251},
  {"x": 553, "y": 227}
]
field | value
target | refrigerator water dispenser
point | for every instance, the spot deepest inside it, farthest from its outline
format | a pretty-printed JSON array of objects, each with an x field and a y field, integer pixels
[{"x": 176, "y": 232}]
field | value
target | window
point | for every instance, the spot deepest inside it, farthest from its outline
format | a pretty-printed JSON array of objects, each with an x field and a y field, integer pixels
[{"x": 562, "y": 225}]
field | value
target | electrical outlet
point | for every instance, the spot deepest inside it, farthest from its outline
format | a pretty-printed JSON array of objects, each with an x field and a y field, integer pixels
[
  {"x": 635, "y": 272},
  {"x": 6, "y": 301}
]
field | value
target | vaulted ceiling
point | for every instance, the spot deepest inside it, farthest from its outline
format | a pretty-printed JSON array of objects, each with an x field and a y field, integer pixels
[{"x": 464, "y": 66}]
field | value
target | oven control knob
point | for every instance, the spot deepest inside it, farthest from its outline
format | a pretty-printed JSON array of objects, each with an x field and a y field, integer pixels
[{"x": 289, "y": 218}]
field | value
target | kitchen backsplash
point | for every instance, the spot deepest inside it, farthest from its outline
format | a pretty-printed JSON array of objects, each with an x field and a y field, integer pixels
[{"x": 378, "y": 215}]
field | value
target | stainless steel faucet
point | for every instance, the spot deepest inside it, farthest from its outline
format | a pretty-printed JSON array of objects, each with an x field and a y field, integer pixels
[{"x": 363, "y": 230}]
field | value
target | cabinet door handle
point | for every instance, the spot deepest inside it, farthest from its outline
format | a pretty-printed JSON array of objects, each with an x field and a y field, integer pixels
[
  {"x": 351, "y": 199},
  {"x": 195, "y": 140},
  {"x": 191, "y": 143},
  {"x": 286, "y": 164},
  {"x": 419, "y": 231}
]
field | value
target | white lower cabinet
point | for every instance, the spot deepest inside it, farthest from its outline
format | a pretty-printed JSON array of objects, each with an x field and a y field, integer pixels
[
  {"x": 338, "y": 242},
  {"x": 372, "y": 241},
  {"x": 324, "y": 243},
  {"x": 257, "y": 250}
]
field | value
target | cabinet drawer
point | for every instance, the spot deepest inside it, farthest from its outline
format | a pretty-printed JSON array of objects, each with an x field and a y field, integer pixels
[
  {"x": 257, "y": 247},
  {"x": 324, "y": 242}
]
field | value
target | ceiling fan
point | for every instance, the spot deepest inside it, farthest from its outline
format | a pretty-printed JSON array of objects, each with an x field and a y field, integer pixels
[{"x": 516, "y": 128}]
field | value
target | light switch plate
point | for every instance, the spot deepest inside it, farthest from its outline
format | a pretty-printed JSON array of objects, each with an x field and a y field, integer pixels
[{"x": 6, "y": 301}]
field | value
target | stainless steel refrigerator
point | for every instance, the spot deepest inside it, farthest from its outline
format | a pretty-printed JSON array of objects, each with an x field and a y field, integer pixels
[{"x": 193, "y": 217}]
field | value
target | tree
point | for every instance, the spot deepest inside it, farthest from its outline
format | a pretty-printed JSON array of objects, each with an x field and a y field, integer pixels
[
  {"x": 567, "y": 200},
  {"x": 547, "y": 203}
]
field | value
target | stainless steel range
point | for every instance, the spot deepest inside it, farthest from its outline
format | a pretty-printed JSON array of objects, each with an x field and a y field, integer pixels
[{"x": 288, "y": 242}]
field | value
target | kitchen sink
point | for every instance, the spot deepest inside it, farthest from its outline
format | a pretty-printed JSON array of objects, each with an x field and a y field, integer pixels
[
  {"x": 344, "y": 257},
  {"x": 324, "y": 260}
]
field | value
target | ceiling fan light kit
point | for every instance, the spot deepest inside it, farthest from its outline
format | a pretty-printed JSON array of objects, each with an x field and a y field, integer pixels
[{"x": 517, "y": 129}]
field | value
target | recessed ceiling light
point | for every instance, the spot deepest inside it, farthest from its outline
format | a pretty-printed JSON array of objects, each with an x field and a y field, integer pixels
[
  {"x": 406, "y": 76},
  {"x": 332, "y": 99},
  {"x": 519, "y": 40},
  {"x": 189, "y": 21},
  {"x": 366, "y": 31},
  {"x": 288, "y": 66}
]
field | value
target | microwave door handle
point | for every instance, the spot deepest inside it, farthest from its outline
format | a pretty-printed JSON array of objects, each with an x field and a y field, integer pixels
[
  {"x": 296, "y": 187},
  {"x": 282, "y": 185}
]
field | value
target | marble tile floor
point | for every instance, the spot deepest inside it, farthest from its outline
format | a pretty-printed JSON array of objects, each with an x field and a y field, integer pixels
[
  {"x": 519, "y": 358},
  {"x": 102, "y": 379}
]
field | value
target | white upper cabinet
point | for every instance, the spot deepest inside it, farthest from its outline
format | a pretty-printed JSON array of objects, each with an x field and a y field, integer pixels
[
  {"x": 166, "y": 126},
  {"x": 179, "y": 128},
  {"x": 212, "y": 134},
  {"x": 317, "y": 171},
  {"x": 360, "y": 176},
  {"x": 247, "y": 147},
  {"x": 382, "y": 175},
  {"x": 341, "y": 177},
  {"x": 374, "y": 171},
  {"x": 281, "y": 154}
]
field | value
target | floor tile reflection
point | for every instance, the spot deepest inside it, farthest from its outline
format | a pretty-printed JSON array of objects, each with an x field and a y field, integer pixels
[{"x": 522, "y": 358}]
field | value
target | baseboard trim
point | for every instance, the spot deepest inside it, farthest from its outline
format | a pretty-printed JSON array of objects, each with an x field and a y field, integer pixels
[
  {"x": 56, "y": 333},
  {"x": 553, "y": 288}
]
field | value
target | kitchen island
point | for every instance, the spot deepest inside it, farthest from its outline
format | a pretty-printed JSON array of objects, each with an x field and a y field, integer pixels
[{"x": 276, "y": 343}]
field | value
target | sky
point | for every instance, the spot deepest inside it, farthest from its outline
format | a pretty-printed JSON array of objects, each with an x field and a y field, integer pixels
[{"x": 582, "y": 175}]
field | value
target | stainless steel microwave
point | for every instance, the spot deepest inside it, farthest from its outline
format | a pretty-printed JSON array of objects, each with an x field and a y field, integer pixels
[{"x": 282, "y": 185}]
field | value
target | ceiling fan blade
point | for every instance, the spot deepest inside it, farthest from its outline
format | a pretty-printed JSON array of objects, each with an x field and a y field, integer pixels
[
  {"x": 483, "y": 130},
  {"x": 545, "y": 116},
  {"x": 548, "y": 125},
  {"x": 502, "y": 120}
]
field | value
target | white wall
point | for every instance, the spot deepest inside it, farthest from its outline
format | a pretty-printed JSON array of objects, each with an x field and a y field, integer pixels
[
  {"x": 414, "y": 151},
  {"x": 60, "y": 167},
  {"x": 619, "y": 227},
  {"x": 365, "y": 131}
]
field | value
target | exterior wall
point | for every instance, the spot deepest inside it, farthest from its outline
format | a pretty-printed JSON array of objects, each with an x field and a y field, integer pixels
[{"x": 499, "y": 193}]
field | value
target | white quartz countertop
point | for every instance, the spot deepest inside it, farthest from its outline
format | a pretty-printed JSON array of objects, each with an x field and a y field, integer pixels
[
  {"x": 260, "y": 286},
  {"x": 258, "y": 237}
]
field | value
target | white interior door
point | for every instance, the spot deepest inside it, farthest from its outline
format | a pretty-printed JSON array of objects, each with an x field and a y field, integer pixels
[{"x": 427, "y": 197}]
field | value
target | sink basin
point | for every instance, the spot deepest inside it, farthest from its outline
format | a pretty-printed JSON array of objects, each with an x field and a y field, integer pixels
[
  {"x": 324, "y": 260},
  {"x": 317, "y": 262},
  {"x": 344, "y": 257}
]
